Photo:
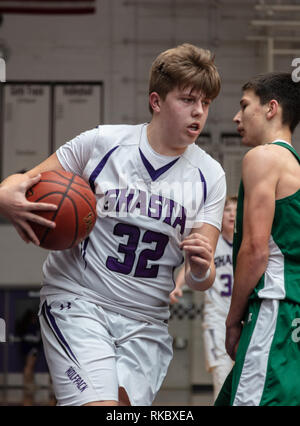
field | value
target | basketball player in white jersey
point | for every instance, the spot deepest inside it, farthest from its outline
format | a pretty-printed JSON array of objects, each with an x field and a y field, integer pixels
[
  {"x": 105, "y": 303},
  {"x": 217, "y": 301}
]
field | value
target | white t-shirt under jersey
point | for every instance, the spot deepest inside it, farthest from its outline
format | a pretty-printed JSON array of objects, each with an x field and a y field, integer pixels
[{"x": 146, "y": 205}]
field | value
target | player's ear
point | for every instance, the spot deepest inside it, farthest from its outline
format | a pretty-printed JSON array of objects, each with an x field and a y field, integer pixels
[
  {"x": 154, "y": 100},
  {"x": 272, "y": 108}
]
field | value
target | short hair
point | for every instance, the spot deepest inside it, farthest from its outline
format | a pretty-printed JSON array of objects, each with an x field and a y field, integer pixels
[
  {"x": 185, "y": 66},
  {"x": 231, "y": 199},
  {"x": 281, "y": 87}
]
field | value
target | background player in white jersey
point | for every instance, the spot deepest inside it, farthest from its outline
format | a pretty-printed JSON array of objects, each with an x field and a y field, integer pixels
[
  {"x": 217, "y": 300},
  {"x": 104, "y": 303}
]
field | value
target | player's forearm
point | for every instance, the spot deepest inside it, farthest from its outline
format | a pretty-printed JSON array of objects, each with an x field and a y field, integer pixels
[
  {"x": 200, "y": 283},
  {"x": 251, "y": 264},
  {"x": 180, "y": 279}
]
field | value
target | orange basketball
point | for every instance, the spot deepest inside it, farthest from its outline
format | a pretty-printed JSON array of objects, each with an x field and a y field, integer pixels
[{"x": 75, "y": 216}]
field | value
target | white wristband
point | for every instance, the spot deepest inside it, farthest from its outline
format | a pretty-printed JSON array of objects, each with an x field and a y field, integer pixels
[{"x": 200, "y": 279}]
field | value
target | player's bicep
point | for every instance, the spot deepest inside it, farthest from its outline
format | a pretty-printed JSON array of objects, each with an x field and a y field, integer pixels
[
  {"x": 51, "y": 163},
  {"x": 260, "y": 180}
]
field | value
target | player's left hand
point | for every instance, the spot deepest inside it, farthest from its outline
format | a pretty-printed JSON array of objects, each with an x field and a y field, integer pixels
[
  {"x": 175, "y": 295},
  {"x": 199, "y": 253}
]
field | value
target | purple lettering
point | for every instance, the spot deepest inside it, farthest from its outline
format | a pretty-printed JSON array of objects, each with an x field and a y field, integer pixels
[{"x": 155, "y": 206}]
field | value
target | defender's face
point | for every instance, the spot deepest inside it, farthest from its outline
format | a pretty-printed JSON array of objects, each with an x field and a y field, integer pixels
[
  {"x": 184, "y": 113},
  {"x": 250, "y": 119}
]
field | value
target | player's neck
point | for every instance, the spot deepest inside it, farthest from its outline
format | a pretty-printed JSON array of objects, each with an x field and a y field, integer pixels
[
  {"x": 160, "y": 142},
  {"x": 283, "y": 134}
]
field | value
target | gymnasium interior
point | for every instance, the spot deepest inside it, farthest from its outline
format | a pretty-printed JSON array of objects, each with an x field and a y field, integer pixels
[{"x": 66, "y": 67}]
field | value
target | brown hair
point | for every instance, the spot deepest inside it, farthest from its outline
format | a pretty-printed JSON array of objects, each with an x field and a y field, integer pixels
[
  {"x": 281, "y": 87},
  {"x": 231, "y": 199},
  {"x": 185, "y": 66}
]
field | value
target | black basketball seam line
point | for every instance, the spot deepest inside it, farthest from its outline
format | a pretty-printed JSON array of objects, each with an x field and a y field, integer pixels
[
  {"x": 87, "y": 186},
  {"x": 77, "y": 192},
  {"x": 46, "y": 195},
  {"x": 56, "y": 212},
  {"x": 65, "y": 185},
  {"x": 75, "y": 209},
  {"x": 59, "y": 173},
  {"x": 58, "y": 207},
  {"x": 86, "y": 200},
  {"x": 76, "y": 223},
  {"x": 68, "y": 196}
]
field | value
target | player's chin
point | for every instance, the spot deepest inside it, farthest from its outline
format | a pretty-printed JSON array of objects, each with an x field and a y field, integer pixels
[
  {"x": 247, "y": 142},
  {"x": 190, "y": 140}
]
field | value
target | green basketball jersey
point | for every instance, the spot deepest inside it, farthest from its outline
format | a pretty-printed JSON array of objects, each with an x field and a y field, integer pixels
[{"x": 281, "y": 279}]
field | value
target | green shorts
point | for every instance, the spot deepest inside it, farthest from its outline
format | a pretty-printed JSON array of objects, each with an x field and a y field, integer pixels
[{"x": 266, "y": 371}]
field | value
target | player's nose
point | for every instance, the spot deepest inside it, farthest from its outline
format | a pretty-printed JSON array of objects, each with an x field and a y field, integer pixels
[
  {"x": 237, "y": 117},
  {"x": 198, "y": 108}
]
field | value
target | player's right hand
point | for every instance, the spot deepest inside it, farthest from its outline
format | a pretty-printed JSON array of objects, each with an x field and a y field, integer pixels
[{"x": 15, "y": 206}]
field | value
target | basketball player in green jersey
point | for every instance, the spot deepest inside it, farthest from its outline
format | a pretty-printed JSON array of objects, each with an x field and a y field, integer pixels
[{"x": 263, "y": 323}]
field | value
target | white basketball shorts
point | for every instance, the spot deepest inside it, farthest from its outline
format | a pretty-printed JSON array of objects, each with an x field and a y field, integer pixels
[
  {"x": 214, "y": 345},
  {"x": 91, "y": 352}
]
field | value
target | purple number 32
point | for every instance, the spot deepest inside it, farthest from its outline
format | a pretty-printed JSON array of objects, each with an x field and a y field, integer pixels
[{"x": 129, "y": 250}]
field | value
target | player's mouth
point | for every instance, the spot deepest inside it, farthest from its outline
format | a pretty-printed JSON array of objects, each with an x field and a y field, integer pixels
[
  {"x": 241, "y": 131},
  {"x": 194, "y": 129}
]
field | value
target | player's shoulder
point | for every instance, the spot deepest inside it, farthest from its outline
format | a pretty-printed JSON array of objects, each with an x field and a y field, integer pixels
[
  {"x": 266, "y": 156},
  {"x": 200, "y": 159},
  {"x": 119, "y": 134}
]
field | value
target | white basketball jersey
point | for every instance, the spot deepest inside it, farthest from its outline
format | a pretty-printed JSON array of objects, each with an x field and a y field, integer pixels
[
  {"x": 145, "y": 209},
  {"x": 217, "y": 298}
]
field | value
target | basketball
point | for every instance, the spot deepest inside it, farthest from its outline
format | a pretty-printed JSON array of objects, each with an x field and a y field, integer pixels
[{"x": 75, "y": 216}]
